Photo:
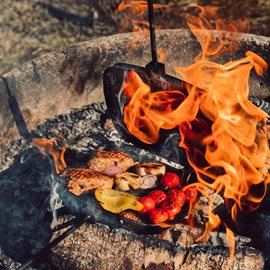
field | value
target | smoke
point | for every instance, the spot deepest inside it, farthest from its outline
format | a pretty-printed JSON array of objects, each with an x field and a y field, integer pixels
[
  {"x": 55, "y": 203},
  {"x": 24, "y": 218}
]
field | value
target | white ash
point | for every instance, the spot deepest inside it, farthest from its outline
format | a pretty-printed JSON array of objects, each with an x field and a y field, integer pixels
[
  {"x": 6, "y": 263},
  {"x": 55, "y": 204}
]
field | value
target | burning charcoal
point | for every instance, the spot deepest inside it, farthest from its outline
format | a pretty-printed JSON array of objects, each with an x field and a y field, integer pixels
[
  {"x": 201, "y": 208},
  {"x": 262, "y": 104},
  {"x": 77, "y": 159},
  {"x": 108, "y": 126},
  {"x": 182, "y": 234}
]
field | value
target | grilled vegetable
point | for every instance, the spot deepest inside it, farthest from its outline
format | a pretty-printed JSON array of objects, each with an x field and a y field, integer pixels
[
  {"x": 148, "y": 204},
  {"x": 126, "y": 180},
  {"x": 158, "y": 196},
  {"x": 191, "y": 193},
  {"x": 158, "y": 215},
  {"x": 116, "y": 201},
  {"x": 148, "y": 181},
  {"x": 172, "y": 208},
  {"x": 150, "y": 168},
  {"x": 170, "y": 180},
  {"x": 177, "y": 195}
]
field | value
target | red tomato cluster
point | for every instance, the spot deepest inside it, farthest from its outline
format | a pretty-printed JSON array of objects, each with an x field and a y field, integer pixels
[
  {"x": 170, "y": 180},
  {"x": 160, "y": 206}
]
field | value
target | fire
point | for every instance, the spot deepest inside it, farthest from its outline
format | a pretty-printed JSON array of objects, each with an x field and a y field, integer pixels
[
  {"x": 50, "y": 146},
  {"x": 211, "y": 45},
  {"x": 134, "y": 12},
  {"x": 222, "y": 132},
  {"x": 137, "y": 7},
  {"x": 133, "y": 15}
]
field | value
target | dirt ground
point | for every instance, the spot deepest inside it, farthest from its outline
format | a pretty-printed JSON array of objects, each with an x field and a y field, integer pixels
[{"x": 30, "y": 28}]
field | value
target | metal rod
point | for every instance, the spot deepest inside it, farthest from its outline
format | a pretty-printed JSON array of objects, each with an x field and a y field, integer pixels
[
  {"x": 65, "y": 224},
  {"x": 55, "y": 242},
  {"x": 6, "y": 85},
  {"x": 152, "y": 28},
  {"x": 16, "y": 112}
]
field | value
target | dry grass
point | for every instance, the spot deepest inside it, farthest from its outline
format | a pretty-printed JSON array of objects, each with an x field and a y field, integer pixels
[{"x": 28, "y": 29}]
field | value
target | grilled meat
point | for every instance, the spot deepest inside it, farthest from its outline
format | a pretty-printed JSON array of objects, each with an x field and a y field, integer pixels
[
  {"x": 126, "y": 180},
  {"x": 83, "y": 180},
  {"x": 150, "y": 168},
  {"x": 103, "y": 159}
]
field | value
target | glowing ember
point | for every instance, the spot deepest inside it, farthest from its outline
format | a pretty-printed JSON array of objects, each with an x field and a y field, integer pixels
[
  {"x": 50, "y": 146},
  {"x": 223, "y": 133}
]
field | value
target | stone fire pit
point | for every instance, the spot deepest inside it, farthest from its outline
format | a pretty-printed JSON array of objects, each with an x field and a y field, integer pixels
[{"x": 72, "y": 78}]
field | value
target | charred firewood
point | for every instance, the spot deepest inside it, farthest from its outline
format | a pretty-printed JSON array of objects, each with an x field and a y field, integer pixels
[
  {"x": 98, "y": 247},
  {"x": 186, "y": 236}
]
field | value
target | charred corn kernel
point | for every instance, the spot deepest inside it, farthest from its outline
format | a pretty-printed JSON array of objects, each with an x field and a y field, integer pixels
[{"x": 116, "y": 201}]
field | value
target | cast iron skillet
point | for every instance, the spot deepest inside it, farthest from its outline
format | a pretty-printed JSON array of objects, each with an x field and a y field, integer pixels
[
  {"x": 88, "y": 205},
  {"x": 155, "y": 77}
]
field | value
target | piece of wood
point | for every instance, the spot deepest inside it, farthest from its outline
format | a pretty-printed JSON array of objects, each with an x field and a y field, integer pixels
[
  {"x": 186, "y": 236},
  {"x": 98, "y": 247}
]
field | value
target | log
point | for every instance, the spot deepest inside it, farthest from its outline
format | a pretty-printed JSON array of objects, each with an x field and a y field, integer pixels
[
  {"x": 98, "y": 247},
  {"x": 186, "y": 236}
]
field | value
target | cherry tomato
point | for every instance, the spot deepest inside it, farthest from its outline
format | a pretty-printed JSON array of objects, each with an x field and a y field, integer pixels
[
  {"x": 172, "y": 208},
  {"x": 148, "y": 204},
  {"x": 177, "y": 195},
  {"x": 158, "y": 196},
  {"x": 158, "y": 215},
  {"x": 170, "y": 180},
  {"x": 191, "y": 194}
]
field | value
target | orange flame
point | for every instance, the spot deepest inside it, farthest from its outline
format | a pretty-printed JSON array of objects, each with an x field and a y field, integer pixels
[
  {"x": 133, "y": 16},
  {"x": 50, "y": 146},
  {"x": 137, "y": 7},
  {"x": 226, "y": 30},
  {"x": 134, "y": 12},
  {"x": 223, "y": 133},
  {"x": 162, "y": 54},
  {"x": 231, "y": 243}
]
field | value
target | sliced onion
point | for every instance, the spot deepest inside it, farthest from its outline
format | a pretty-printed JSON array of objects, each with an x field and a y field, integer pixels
[{"x": 148, "y": 181}]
